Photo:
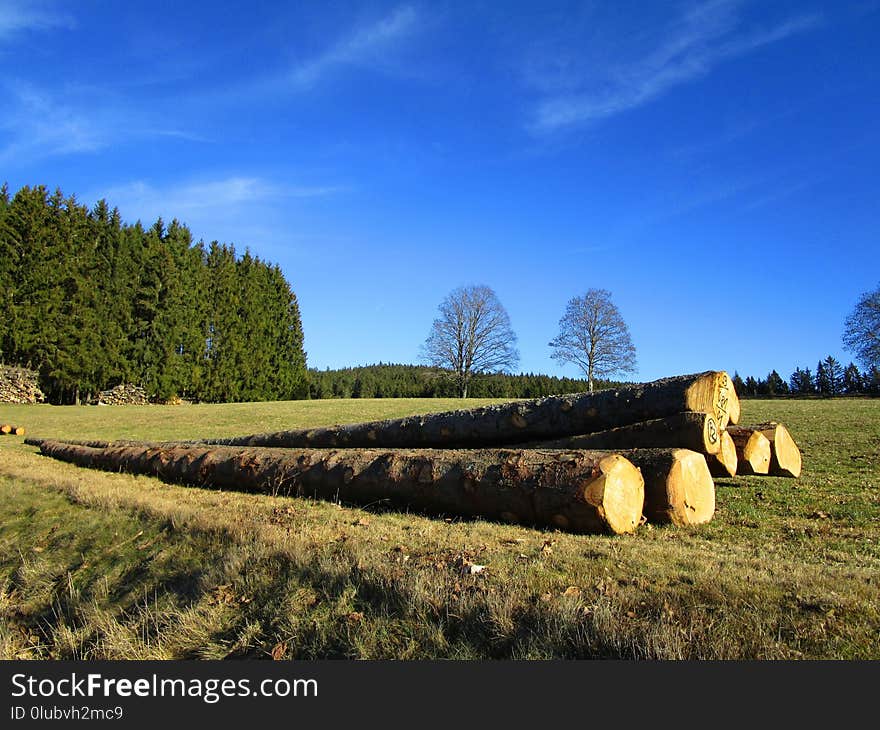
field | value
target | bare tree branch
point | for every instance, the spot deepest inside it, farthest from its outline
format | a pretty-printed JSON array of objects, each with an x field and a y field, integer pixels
[
  {"x": 861, "y": 333},
  {"x": 471, "y": 335},
  {"x": 593, "y": 336}
]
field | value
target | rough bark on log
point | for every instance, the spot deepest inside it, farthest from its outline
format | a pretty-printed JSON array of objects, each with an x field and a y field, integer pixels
[
  {"x": 752, "y": 450},
  {"x": 785, "y": 455},
  {"x": 579, "y": 491},
  {"x": 694, "y": 431},
  {"x": 519, "y": 421},
  {"x": 678, "y": 486},
  {"x": 724, "y": 463}
]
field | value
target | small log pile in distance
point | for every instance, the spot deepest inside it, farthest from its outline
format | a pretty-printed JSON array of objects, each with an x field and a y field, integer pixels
[
  {"x": 7, "y": 428},
  {"x": 599, "y": 462},
  {"x": 19, "y": 385},
  {"x": 123, "y": 395}
]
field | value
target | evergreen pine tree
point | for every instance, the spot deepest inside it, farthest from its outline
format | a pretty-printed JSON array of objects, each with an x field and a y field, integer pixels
[
  {"x": 823, "y": 384},
  {"x": 775, "y": 384},
  {"x": 852, "y": 380},
  {"x": 834, "y": 373}
]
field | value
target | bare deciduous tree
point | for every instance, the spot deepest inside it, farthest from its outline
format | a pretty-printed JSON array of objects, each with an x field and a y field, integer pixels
[
  {"x": 593, "y": 335},
  {"x": 471, "y": 335},
  {"x": 861, "y": 334}
]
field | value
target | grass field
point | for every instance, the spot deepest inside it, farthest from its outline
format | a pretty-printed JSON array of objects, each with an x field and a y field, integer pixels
[{"x": 96, "y": 565}]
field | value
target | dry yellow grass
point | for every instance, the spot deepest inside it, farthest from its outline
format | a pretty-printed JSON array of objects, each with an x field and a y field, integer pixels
[{"x": 104, "y": 565}]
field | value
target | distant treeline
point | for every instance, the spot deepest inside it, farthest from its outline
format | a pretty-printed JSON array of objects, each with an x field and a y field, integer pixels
[
  {"x": 829, "y": 379},
  {"x": 90, "y": 302},
  {"x": 420, "y": 381}
]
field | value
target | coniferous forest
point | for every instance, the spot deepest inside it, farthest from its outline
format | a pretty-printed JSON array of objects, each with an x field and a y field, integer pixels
[
  {"x": 90, "y": 302},
  {"x": 389, "y": 380}
]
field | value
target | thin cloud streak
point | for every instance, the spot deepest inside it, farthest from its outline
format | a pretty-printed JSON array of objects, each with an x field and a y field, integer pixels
[
  {"x": 700, "y": 41},
  {"x": 37, "y": 124},
  {"x": 363, "y": 46},
  {"x": 144, "y": 201},
  {"x": 16, "y": 17}
]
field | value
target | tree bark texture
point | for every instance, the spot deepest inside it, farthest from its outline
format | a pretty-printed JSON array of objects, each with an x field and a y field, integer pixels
[
  {"x": 579, "y": 491},
  {"x": 695, "y": 431},
  {"x": 785, "y": 455},
  {"x": 519, "y": 421},
  {"x": 752, "y": 450}
]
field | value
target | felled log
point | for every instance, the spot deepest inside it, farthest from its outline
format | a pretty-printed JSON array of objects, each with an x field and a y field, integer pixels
[
  {"x": 519, "y": 421},
  {"x": 579, "y": 491},
  {"x": 678, "y": 485},
  {"x": 724, "y": 463},
  {"x": 785, "y": 456},
  {"x": 18, "y": 430},
  {"x": 695, "y": 431},
  {"x": 5, "y": 428},
  {"x": 752, "y": 450}
]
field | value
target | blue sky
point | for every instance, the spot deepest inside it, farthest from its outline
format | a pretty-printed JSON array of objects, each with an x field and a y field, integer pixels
[{"x": 713, "y": 164}]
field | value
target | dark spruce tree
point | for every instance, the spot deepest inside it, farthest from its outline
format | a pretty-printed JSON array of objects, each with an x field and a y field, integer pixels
[
  {"x": 801, "y": 382},
  {"x": 90, "y": 302}
]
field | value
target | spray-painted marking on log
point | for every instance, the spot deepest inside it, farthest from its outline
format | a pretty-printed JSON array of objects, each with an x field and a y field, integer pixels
[
  {"x": 723, "y": 397},
  {"x": 712, "y": 428}
]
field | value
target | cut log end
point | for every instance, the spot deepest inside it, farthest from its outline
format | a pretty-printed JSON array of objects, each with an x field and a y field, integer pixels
[
  {"x": 691, "y": 489},
  {"x": 5, "y": 428},
  {"x": 734, "y": 409},
  {"x": 724, "y": 463},
  {"x": 752, "y": 450},
  {"x": 756, "y": 453},
  {"x": 678, "y": 486},
  {"x": 618, "y": 494},
  {"x": 711, "y": 393},
  {"x": 785, "y": 456},
  {"x": 711, "y": 435}
]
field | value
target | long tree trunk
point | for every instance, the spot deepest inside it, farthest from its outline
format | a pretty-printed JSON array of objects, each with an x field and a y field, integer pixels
[
  {"x": 785, "y": 456},
  {"x": 694, "y": 431},
  {"x": 678, "y": 486},
  {"x": 520, "y": 421},
  {"x": 752, "y": 450},
  {"x": 579, "y": 491}
]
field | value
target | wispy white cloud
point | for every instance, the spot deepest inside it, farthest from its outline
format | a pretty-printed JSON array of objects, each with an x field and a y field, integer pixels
[
  {"x": 687, "y": 49},
  {"x": 363, "y": 46},
  {"x": 203, "y": 199},
  {"x": 36, "y": 123},
  {"x": 246, "y": 210},
  {"x": 29, "y": 15}
]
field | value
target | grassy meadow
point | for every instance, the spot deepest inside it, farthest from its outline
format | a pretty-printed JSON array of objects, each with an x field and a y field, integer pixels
[{"x": 96, "y": 565}]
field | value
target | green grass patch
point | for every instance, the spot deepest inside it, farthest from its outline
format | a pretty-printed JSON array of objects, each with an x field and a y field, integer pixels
[{"x": 99, "y": 565}]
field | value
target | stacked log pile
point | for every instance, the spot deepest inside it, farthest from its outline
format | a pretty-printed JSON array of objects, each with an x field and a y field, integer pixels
[
  {"x": 589, "y": 462},
  {"x": 123, "y": 395},
  {"x": 19, "y": 385}
]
